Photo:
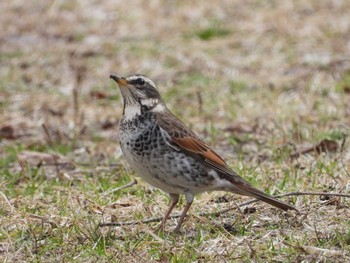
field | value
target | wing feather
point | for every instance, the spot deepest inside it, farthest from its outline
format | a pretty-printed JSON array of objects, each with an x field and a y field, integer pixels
[
  {"x": 197, "y": 147},
  {"x": 182, "y": 138}
]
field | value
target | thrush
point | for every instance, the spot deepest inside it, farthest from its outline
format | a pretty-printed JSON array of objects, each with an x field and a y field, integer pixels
[{"x": 169, "y": 155}]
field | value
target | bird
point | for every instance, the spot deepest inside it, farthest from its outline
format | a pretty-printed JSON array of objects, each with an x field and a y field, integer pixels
[{"x": 168, "y": 155}]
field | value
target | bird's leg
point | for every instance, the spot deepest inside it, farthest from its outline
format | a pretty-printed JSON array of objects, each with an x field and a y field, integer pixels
[
  {"x": 189, "y": 199},
  {"x": 174, "y": 200}
]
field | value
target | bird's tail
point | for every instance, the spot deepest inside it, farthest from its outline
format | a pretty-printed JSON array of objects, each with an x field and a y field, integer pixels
[
  {"x": 244, "y": 188},
  {"x": 272, "y": 201}
]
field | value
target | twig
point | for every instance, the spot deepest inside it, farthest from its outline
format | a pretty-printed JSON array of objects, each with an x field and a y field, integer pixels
[
  {"x": 44, "y": 220},
  {"x": 79, "y": 70},
  {"x": 312, "y": 193},
  {"x": 48, "y": 135},
  {"x": 200, "y": 102},
  {"x": 341, "y": 155},
  {"x": 134, "y": 222},
  {"x": 158, "y": 219},
  {"x": 7, "y": 201},
  {"x": 120, "y": 188},
  {"x": 155, "y": 236}
]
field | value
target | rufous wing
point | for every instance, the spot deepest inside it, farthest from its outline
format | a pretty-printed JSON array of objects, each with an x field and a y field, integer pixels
[
  {"x": 184, "y": 139},
  {"x": 195, "y": 146}
]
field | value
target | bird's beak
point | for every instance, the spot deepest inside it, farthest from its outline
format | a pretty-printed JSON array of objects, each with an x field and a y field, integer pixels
[{"x": 119, "y": 80}]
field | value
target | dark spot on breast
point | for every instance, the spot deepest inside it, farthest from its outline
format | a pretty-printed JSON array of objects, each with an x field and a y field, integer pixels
[{"x": 137, "y": 145}]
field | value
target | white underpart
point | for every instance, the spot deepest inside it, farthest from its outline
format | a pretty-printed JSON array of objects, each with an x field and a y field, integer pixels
[
  {"x": 220, "y": 182},
  {"x": 131, "y": 111}
]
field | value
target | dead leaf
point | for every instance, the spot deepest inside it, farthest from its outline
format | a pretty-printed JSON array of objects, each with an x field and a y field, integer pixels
[
  {"x": 97, "y": 209},
  {"x": 240, "y": 128},
  {"x": 116, "y": 205},
  {"x": 98, "y": 95},
  {"x": 108, "y": 124},
  {"x": 346, "y": 89},
  {"x": 13, "y": 131},
  {"x": 55, "y": 111},
  {"x": 114, "y": 218},
  {"x": 249, "y": 210},
  {"x": 332, "y": 201},
  {"x": 326, "y": 145},
  {"x": 40, "y": 158}
]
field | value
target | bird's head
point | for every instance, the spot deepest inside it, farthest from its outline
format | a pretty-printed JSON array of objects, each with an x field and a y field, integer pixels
[{"x": 139, "y": 94}]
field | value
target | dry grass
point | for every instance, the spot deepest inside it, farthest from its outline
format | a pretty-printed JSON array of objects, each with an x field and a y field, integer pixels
[{"x": 258, "y": 80}]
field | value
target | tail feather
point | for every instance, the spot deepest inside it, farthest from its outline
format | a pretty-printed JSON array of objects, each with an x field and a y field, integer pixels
[
  {"x": 246, "y": 189},
  {"x": 241, "y": 186},
  {"x": 272, "y": 201}
]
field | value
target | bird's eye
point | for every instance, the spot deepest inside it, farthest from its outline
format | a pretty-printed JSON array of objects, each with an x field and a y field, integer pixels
[{"x": 140, "y": 81}]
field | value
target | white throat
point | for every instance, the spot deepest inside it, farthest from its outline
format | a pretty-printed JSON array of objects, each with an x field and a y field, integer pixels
[{"x": 131, "y": 111}]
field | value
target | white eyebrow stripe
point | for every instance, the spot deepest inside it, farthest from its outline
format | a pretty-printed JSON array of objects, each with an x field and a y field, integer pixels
[{"x": 146, "y": 79}]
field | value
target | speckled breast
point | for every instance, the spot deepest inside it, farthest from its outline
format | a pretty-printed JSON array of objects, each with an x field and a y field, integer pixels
[{"x": 149, "y": 153}]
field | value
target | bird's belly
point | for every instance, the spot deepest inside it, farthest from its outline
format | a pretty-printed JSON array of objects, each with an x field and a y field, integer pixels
[
  {"x": 151, "y": 173},
  {"x": 164, "y": 167}
]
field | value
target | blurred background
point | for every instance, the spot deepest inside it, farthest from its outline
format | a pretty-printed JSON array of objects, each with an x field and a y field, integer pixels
[
  {"x": 234, "y": 61},
  {"x": 267, "y": 83}
]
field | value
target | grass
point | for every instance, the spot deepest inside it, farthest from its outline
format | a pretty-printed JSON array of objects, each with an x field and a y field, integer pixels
[
  {"x": 210, "y": 32},
  {"x": 264, "y": 80}
]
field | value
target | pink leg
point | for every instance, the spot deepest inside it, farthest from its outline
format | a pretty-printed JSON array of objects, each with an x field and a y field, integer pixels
[
  {"x": 174, "y": 200},
  {"x": 184, "y": 212}
]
